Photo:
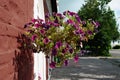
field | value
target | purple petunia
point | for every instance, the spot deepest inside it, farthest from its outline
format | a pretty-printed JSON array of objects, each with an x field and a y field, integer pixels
[
  {"x": 83, "y": 22},
  {"x": 58, "y": 44},
  {"x": 78, "y": 19},
  {"x": 34, "y": 20},
  {"x": 46, "y": 26},
  {"x": 76, "y": 58},
  {"x": 96, "y": 24},
  {"x": 53, "y": 64},
  {"x": 47, "y": 15},
  {"x": 64, "y": 50},
  {"x": 70, "y": 21},
  {"x": 59, "y": 15},
  {"x": 66, "y": 62},
  {"x": 79, "y": 31},
  {"x": 37, "y": 25},
  {"x": 33, "y": 37},
  {"x": 54, "y": 51},
  {"x": 90, "y": 32},
  {"x": 42, "y": 31},
  {"x": 71, "y": 50},
  {"x": 46, "y": 40},
  {"x": 66, "y": 12}
]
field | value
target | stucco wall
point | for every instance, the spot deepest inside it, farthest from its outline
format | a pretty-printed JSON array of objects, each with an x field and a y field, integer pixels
[{"x": 15, "y": 63}]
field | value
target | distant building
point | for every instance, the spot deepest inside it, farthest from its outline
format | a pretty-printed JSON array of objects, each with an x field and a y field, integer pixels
[{"x": 113, "y": 43}]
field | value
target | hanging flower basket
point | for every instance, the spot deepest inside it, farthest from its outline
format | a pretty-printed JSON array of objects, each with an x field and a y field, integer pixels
[{"x": 60, "y": 35}]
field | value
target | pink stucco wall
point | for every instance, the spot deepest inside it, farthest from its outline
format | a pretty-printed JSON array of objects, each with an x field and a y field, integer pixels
[{"x": 15, "y": 63}]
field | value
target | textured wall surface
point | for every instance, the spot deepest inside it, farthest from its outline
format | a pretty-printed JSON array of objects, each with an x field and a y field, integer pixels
[{"x": 15, "y": 63}]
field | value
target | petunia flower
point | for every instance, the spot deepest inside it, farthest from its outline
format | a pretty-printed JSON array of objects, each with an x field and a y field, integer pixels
[
  {"x": 78, "y": 19},
  {"x": 33, "y": 37},
  {"x": 37, "y": 25},
  {"x": 71, "y": 50},
  {"x": 46, "y": 40},
  {"x": 54, "y": 51},
  {"x": 34, "y": 20},
  {"x": 44, "y": 25},
  {"x": 66, "y": 62},
  {"x": 70, "y": 21},
  {"x": 53, "y": 64},
  {"x": 59, "y": 15},
  {"x": 90, "y": 32},
  {"x": 58, "y": 44},
  {"x": 71, "y": 13},
  {"x": 96, "y": 24},
  {"x": 76, "y": 58},
  {"x": 42, "y": 31},
  {"x": 79, "y": 31},
  {"x": 83, "y": 22},
  {"x": 64, "y": 50}
]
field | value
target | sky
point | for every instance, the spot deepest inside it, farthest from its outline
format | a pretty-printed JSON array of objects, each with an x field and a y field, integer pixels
[{"x": 74, "y": 5}]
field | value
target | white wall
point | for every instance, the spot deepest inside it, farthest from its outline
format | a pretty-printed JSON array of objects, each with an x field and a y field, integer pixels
[{"x": 39, "y": 58}]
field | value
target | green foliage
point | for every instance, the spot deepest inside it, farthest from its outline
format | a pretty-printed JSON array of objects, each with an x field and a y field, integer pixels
[{"x": 108, "y": 30}]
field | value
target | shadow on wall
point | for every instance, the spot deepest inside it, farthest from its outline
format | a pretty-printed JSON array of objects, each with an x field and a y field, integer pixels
[{"x": 23, "y": 60}]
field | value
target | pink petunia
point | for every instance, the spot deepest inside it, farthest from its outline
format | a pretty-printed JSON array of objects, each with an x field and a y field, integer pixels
[
  {"x": 33, "y": 37},
  {"x": 76, "y": 58},
  {"x": 53, "y": 64},
  {"x": 46, "y": 41}
]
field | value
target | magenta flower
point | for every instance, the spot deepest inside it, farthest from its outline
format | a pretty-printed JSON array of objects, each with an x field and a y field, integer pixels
[
  {"x": 78, "y": 19},
  {"x": 53, "y": 64},
  {"x": 71, "y": 13},
  {"x": 66, "y": 12},
  {"x": 47, "y": 15},
  {"x": 96, "y": 24},
  {"x": 67, "y": 46},
  {"x": 64, "y": 50},
  {"x": 54, "y": 51},
  {"x": 71, "y": 50},
  {"x": 34, "y": 20},
  {"x": 46, "y": 41},
  {"x": 55, "y": 24},
  {"x": 37, "y": 25},
  {"x": 75, "y": 26},
  {"x": 83, "y": 22},
  {"x": 82, "y": 52},
  {"x": 40, "y": 21},
  {"x": 66, "y": 62},
  {"x": 90, "y": 32},
  {"x": 42, "y": 31},
  {"x": 76, "y": 58},
  {"x": 79, "y": 31},
  {"x": 59, "y": 15},
  {"x": 33, "y": 37},
  {"x": 58, "y": 44},
  {"x": 46, "y": 26},
  {"x": 69, "y": 21}
]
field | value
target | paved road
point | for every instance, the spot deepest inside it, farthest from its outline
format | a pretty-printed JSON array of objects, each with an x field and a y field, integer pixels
[
  {"x": 88, "y": 68},
  {"x": 115, "y": 52}
]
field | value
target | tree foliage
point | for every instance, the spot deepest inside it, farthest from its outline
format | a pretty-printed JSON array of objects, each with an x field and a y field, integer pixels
[{"x": 108, "y": 31}]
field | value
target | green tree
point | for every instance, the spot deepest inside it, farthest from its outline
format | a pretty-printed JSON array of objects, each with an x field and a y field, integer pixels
[{"x": 98, "y": 10}]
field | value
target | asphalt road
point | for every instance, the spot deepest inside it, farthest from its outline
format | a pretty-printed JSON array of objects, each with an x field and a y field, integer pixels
[
  {"x": 88, "y": 68},
  {"x": 91, "y": 68}
]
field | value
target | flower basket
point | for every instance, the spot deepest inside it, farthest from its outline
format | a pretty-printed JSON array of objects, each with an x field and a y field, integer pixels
[{"x": 60, "y": 35}]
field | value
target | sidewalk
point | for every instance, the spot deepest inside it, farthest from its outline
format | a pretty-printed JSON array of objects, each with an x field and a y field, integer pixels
[{"x": 88, "y": 68}]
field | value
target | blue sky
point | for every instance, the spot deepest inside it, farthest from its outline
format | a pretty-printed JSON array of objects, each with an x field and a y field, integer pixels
[{"x": 74, "y": 5}]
